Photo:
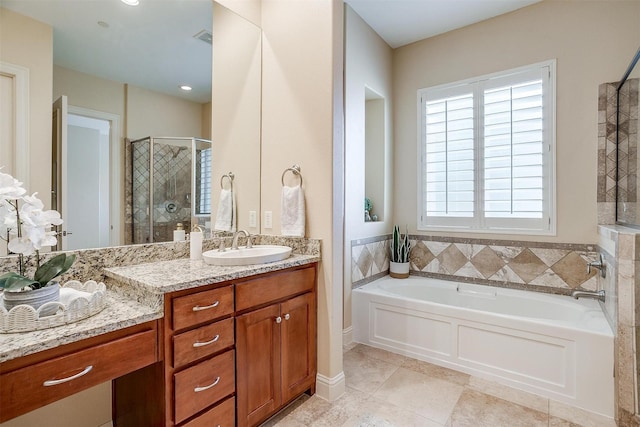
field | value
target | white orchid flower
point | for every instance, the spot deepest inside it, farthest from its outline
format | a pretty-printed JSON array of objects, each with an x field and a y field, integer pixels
[
  {"x": 21, "y": 245},
  {"x": 10, "y": 188}
]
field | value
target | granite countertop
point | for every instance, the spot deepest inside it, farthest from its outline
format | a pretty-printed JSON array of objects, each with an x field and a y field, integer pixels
[
  {"x": 119, "y": 313},
  {"x": 135, "y": 296},
  {"x": 179, "y": 274}
]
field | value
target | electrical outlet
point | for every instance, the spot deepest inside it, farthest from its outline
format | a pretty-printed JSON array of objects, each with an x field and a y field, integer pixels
[
  {"x": 268, "y": 219},
  {"x": 253, "y": 219}
]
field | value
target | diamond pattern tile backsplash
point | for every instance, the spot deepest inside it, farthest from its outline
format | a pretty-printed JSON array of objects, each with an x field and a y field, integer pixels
[{"x": 547, "y": 267}]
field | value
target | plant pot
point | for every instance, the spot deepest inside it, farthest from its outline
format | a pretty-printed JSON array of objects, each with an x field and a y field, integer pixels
[
  {"x": 399, "y": 270},
  {"x": 34, "y": 298}
]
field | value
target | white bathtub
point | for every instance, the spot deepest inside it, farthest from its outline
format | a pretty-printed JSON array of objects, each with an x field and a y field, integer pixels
[{"x": 551, "y": 345}]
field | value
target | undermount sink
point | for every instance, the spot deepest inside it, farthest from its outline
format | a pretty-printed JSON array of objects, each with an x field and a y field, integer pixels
[{"x": 258, "y": 254}]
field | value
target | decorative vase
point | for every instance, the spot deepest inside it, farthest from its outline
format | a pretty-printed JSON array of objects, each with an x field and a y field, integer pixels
[
  {"x": 399, "y": 270},
  {"x": 34, "y": 298}
]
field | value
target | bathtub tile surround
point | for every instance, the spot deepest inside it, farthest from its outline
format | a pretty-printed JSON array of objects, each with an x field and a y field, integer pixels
[
  {"x": 369, "y": 259},
  {"x": 402, "y": 392},
  {"x": 546, "y": 267}
]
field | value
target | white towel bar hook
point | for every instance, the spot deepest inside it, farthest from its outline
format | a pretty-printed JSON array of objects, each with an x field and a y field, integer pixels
[
  {"x": 296, "y": 171},
  {"x": 229, "y": 175}
]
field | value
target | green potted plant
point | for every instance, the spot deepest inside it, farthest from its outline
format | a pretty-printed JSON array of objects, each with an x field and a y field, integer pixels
[
  {"x": 400, "y": 248},
  {"x": 27, "y": 228}
]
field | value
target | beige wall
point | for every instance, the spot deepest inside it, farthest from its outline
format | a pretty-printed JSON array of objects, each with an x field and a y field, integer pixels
[
  {"x": 299, "y": 99},
  {"x": 87, "y": 91},
  {"x": 29, "y": 43},
  {"x": 236, "y": 112},
  {"x": 593, "y": 42},
  {"x": 248, "y": 9},
  {"x": 368, "y": 63},
  {"x": 156, "y": 114}
]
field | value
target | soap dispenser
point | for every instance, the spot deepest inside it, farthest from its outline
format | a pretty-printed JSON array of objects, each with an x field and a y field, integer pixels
[
  {"x": 179, "y": 233},
  {"x": 195, "y": 243}
]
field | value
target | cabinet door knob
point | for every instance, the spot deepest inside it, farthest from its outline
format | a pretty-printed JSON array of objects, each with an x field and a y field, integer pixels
[
  {"x": 287, "y": 316},
  {"x": 206, "y": 307},
  {"x": 278, "y": 319},
  {"x": 202, "y": 344},
  {"x": 207, "y": 387}
]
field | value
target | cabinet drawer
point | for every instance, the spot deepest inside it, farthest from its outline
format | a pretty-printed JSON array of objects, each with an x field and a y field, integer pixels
[
  {"x": 203, "y": 384},
  {"x": 202, "y": 307},
  {"x": 274, "y": 287},
  {"x": 223, "y": 415},
  {"x": 45, "y": 382},
  {"x": 201, "y": 342}
]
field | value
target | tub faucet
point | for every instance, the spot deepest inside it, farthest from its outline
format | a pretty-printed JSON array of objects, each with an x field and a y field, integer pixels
[
  {"x": 598, "y": 265},
  {"x": 234, "y": 244},
  {"x": 599, "y": 295}
]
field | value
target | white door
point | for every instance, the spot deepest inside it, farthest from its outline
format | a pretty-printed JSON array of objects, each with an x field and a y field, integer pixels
[{"x": 88, "y": 183}]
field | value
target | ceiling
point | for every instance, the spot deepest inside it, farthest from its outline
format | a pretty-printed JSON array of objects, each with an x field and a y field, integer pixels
[
  {"x": 400, "y": 22},
  {"x": 150, "y": 45}
]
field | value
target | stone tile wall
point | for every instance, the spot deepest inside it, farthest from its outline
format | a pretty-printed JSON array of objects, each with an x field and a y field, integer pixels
[
  {"x": 545, "y": 267},
  {"x": 626, "y": 153}
]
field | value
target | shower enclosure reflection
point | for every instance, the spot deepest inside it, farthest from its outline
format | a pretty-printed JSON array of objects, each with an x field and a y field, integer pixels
[{"x": 168, "y": 182}]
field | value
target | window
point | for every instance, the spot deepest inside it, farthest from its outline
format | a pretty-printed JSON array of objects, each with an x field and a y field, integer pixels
[
  {"x": 486, "y": 153},
  {"x": 203, "y": 182}
]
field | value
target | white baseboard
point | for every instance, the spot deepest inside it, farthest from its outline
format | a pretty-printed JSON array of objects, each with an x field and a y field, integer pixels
[
  {"x": 347, "y": 336},
  {"x": 330, "y": 389}
]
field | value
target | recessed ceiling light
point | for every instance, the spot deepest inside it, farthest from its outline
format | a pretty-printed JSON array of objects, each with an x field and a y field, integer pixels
[
  {"x": 130, "y": 2},
  {"x": 185, "y": 87}
]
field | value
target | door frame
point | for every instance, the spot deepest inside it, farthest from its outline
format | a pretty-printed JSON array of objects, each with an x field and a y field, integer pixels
[
  {"x": 20, "y": 76},
  {"x": 115, "y": 168}
]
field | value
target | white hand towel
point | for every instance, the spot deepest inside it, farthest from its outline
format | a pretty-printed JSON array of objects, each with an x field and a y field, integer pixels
[
  {"x": 226, "y": 216},
  {"x": 292, "y": 222}
]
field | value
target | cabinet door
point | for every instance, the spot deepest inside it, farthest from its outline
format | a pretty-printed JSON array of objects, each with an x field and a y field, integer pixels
[
  {"x": 298, "y": 345},
  {"x": 258, "y": 365}
]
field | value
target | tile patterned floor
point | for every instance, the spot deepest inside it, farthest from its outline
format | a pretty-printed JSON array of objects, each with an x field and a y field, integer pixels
[{"x": 389, "y": 390}]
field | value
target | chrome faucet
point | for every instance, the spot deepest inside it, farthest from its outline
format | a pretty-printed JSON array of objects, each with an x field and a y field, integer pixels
[
  {"x": 599, "y": 295},
  {"x": 234, "y": 244},
  {"x": 599, "y": 265}
]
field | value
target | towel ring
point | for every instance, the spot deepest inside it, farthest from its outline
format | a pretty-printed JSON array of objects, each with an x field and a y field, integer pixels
[
  {"x": 230, "y": 176},
  {"x": 295, "y": 169}
]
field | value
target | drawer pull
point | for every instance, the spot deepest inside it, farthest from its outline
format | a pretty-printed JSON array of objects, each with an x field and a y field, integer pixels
[
  {"x": 278, "y": 319},
  {"x": 199, "y": 389},
  {"x": 206, "y": 307},
  {"x": 202, "y": 344},
  {"x": 49, "y": 383},
  {"x": 287, "y": 316}
]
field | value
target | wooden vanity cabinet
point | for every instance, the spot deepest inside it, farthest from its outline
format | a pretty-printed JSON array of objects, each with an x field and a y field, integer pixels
[
  {"x": 199, "y": 368},
  {"x": 32, "y": 381},
  {"x": 233, "y": 353},
  {"x": 275, "y": 342}
]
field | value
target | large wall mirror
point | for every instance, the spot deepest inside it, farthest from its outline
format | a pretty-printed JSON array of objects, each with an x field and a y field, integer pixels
[
  {"x": 628, "y": 164},
  {"x": 120, "y": 69}
]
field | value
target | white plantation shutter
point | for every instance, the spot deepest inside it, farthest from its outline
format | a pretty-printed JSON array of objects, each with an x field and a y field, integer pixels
[
  {"x": 449, "y": 160},
  {"x": 487, "y": 148}
]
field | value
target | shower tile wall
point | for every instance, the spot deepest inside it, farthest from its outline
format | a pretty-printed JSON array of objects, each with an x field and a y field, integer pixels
[
  {"x": 620, "y": 245},
  {"x": 547, "y": 267},
  {"x": 172, "y": 191},
  {"x": 628, "y": 151}
]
